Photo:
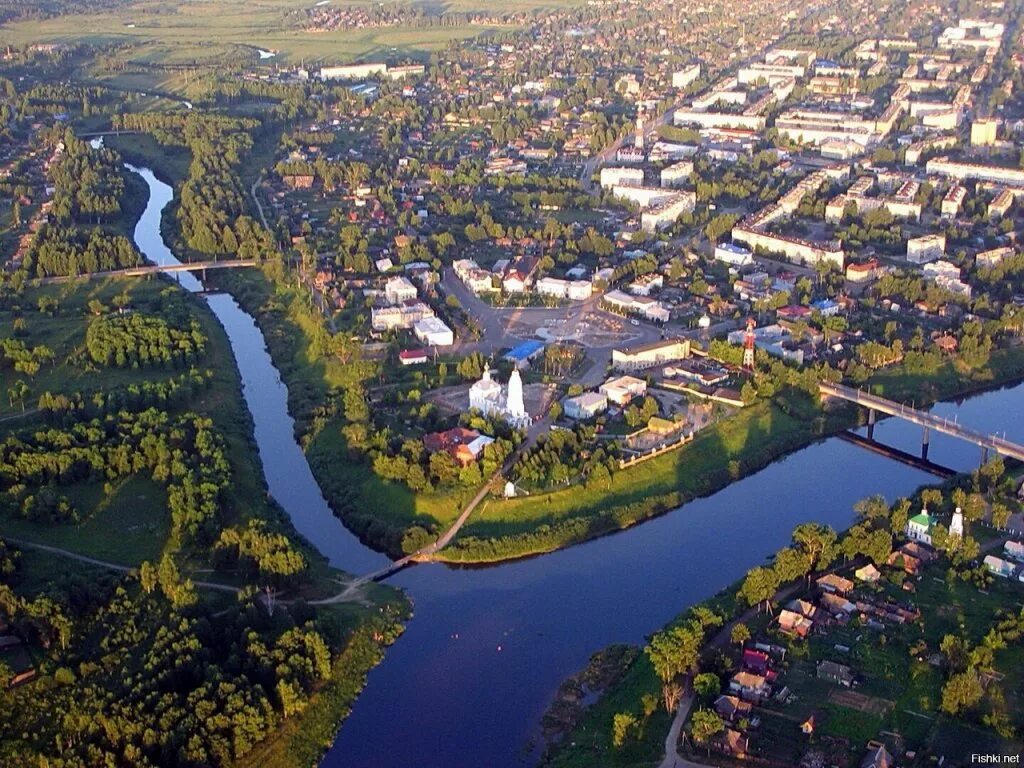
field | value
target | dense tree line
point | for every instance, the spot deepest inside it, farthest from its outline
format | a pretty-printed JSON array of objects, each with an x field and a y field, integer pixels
[
  {"x": 163, "y": 395},
  {"x": 167, "y": 682},
  {"x": 64, "y": 251},
  {"x": 259, "y": 551},
  {"x": 89, "y": 183},
  {"x": 561, "y": 457},
  {"x": 184, "y": 453},
  {"x": 137, "y": 340},
  {"x": 213, "y": 206}
]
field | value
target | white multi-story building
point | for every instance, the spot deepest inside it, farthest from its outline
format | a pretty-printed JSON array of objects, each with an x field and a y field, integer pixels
[
  {"x": 649, "y": 355},
  {"x": 353, "y": 71},
  {"x": 983, "y": 132},
  {"x": 683, "y": 77},
  {"x": 585, "y": 406},
  {"x": 719, "y": 120},
  {"x": 575, "y": 290},
  {"x": 645, "y": 197},
  {"x": 800, "y": 251},
  {"x": 953, "y": 200},
  {"x": 621, "y": 177},
  {"x": 943, "y": 166},
  {"x": 404, "y": 315},
  {"x": 677, "y": 174},
  {"x": 921, "y": 250},
  {"x": 666, "y": 214},
  {"x": 399, "y": 289},
  {"x": 992, "y": 258},
  {"x": 1001, "y": 204},
  {"x": 621, "y": 389}
]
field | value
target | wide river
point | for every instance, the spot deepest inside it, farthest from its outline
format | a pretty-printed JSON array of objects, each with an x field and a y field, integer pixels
[{"x": 467, "y": 683}]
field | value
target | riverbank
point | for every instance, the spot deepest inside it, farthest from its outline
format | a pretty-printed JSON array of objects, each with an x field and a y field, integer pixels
[
  {"x": 383, "y": 513},
  {"x": 358, "y": 632},
  {"x": 900, "y": 695}
]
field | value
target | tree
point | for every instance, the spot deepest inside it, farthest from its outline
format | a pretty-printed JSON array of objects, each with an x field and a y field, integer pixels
[
  {"x": 704, "y": 726},
  {"x": 672, "y": 652},
  {"x": 816, "y": 543},
  {"x": 962, "y": 692},
  {"x": 872, "y": 508},
  {"x": 759, "y": 587},
  {"x": 789, "y": 565},
  {"x": 956, "y": 651},
  {"x": 623, "y": 725},
  {"x": 739, "y": 634},
  {"x": 1000, "y": 515},
  {"x": 707, "y": 685}
]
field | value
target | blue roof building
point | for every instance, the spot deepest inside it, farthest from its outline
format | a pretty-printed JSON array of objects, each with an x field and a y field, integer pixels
[{"x": 523, "y": 352}]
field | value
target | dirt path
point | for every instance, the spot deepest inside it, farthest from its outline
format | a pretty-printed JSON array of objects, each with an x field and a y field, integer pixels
[{"x": 105, "y": 563}]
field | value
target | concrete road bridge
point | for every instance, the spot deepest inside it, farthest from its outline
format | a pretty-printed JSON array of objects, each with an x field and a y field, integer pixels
[
  {"x": 927, "y": 421},
  {"x": 152, "y": 269}
]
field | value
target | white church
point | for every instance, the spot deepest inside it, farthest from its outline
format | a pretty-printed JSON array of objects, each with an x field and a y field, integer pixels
[{"x": 490, "y": 398}]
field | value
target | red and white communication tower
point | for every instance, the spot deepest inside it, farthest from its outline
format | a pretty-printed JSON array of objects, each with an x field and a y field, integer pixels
[{"x": 748, "y": 346}]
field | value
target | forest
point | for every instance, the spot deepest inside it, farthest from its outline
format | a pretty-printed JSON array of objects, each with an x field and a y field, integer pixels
[
  {"x": 88, "y": 183},
  {"x": 63, "y": 251},
  {"x": 213, "y": 210},
  {"x": 135, "y": 340}
]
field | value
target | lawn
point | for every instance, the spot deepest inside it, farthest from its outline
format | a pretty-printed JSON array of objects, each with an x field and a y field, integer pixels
[
  {"x": 950, "y": 380},
  {"x": 134, "y": 508},
  {"x": 591, "y": 743},
  {"x": 127, "y": 526},
  {"x": 747, "y": 437},
  {"x": 211, "y": 31},
  {"x": 170, "y": 163}
]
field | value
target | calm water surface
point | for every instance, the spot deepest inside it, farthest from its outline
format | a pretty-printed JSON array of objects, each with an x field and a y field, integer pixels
[{"x": 467, "y": 683}]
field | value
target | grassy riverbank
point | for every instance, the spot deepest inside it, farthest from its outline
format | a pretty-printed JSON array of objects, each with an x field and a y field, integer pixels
[
  {"x": 381, "y": 512},
  {"x": 900, "y": 694},
  {"x": 126, "y": 520}
]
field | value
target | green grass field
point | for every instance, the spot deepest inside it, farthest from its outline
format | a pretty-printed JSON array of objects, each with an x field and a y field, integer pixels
[
  {"x": 738, "y": 437},
  {"x": 135, "y": 508},
  {"x": 215, "y": 30}
]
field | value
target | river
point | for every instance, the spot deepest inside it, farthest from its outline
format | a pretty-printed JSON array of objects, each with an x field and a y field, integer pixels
[{"x": 466, "y": 684}]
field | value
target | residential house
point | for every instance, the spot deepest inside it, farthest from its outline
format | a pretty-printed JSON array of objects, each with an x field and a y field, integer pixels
[
  {"x": 756, "y": 661},
  {"x": 792, "y": 623},
  {"x": 733, "y": 743},
  {"x": 868, "y": 573},
  {"x": 835, "y": 584},
  {"x": 732, "y": 709},
  {"x": 835, "y": 673},
  {"x": 749, "y": 687},
  {"x": 877, "y": 757},
  {"x": 464, "y": 445},
  {"x": 585, "y": 406},
  {"x": 837, "y": 605},
  {"x": 412, "y": 356},
  {"x": 999, "y": 567}
]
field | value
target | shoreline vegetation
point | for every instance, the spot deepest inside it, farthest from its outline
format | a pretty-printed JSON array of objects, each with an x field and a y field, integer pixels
[
  {"x": 391, "y": 518},
  {"x": 625, "y": 681},
  {"x": 382, "y": 513},
  {"x": 357, "y": 632}
]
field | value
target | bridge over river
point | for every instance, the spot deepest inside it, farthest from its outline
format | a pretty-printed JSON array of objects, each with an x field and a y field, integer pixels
[
  {"x": 927, "y": 421},
  {"x": 152, "y": 269}
]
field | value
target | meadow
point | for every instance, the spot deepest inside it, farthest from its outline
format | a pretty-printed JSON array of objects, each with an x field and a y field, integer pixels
[{"x": 211, "y": 31}]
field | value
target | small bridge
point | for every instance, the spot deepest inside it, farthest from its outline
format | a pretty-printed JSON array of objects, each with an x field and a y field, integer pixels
[
  {"x": 152, "y": 269},
  {"x": 927, "y": 421}
]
